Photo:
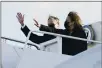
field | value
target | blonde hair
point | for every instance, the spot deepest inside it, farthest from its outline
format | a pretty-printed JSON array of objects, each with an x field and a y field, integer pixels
[{"x": 56, "y": 18}]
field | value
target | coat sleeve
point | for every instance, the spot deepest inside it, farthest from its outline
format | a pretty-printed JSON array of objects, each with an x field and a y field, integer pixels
[
  {"x": 33, "y": 37},
  {"x": 47, "y": 29},
  {"x": 50, "y": 29},
  {"x": 82, "y": 44}
]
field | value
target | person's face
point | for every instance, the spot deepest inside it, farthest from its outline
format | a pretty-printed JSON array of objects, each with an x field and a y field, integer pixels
[
  {"x": 51, "y": 21},
  {"x": 68, "y": 19},
  {"x": 70, "y": 24}
]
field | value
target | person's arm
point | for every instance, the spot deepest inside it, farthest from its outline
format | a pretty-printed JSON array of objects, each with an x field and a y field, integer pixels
[
  {"x": 79, "y": 45},
  {"x": 50, "y": 29},
  {"x": 82, "y": 44},
  {"x": 46, "y": 28},
  {"x": 33, "y": 37}
]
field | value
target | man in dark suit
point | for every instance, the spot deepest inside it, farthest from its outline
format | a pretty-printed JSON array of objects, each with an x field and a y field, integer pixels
[{"x": 53, "y": 22}]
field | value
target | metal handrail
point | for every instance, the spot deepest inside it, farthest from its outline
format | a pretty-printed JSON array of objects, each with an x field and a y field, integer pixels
[
  {"x": 20, "y": 42},
  {"x": 65, "y": 36},
  {"x": 54, "y": 34}
]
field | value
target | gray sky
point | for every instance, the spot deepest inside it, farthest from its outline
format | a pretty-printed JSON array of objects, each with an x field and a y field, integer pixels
[{"x": 89, "y": 12}]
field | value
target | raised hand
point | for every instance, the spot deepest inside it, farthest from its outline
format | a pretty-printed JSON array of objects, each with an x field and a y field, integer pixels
[
  {"x": 36, "y": 23},
  {"x": 20, "y": 18}
]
